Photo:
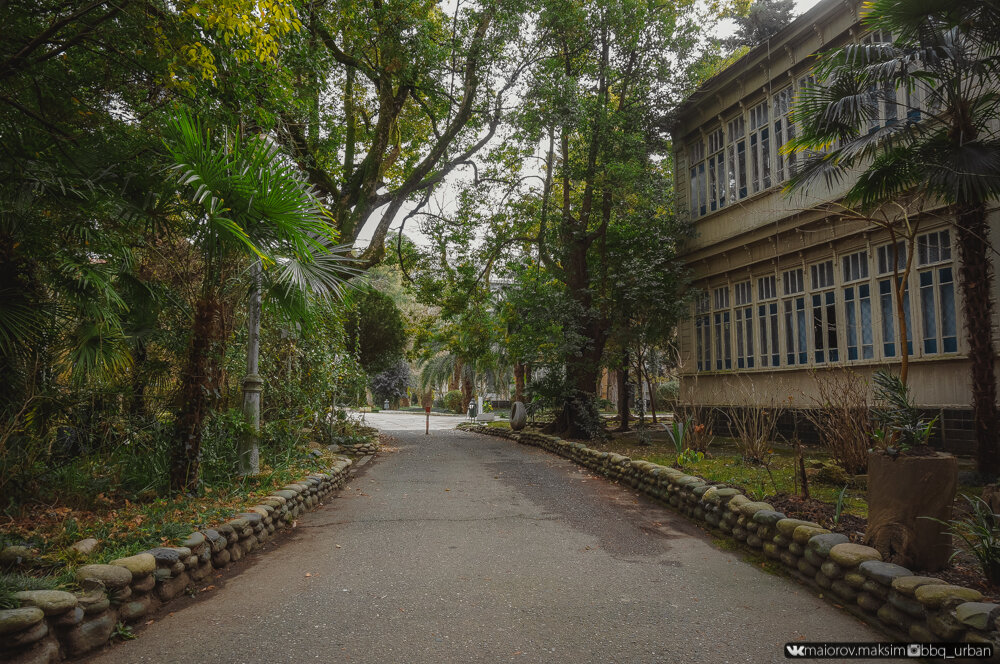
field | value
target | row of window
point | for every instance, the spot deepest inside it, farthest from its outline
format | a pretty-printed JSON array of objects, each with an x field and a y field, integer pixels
[
  {"x": 844, "y": 315},
  {"x": 744, "y": 153}
]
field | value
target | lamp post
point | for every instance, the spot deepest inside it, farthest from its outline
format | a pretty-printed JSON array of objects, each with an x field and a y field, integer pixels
[{"x": 249, "y": 457}]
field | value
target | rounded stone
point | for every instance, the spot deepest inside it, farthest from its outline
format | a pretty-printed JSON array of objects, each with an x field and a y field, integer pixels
[
  {"x": 518, "y": 416},
  {"x": 977, "y": 614},
  {"x": 14, "y": 556},
  {"x": 140, "y": 564},
  {"x": 822, "y": 544},
  {"x": 26, "y": 637},
  {"x": 112, "y": 576},
  {"x": 802, "y": 534},
  {"x": 851, "y": 555},
  {"x": 16, "y": 620},
  {"x": 749, "y": 509},
  {"x": 767, "y": 517},
  {"x": 51, "y": 602},
  {"x": 908, "y": 585},
  {"x": 883, "y": 573},
  {"x": 787, "y": 526},
  {"x": 934, "y": 596},
  {"x": 194, "y": 540},
  {"x": 166, "y": 556}
]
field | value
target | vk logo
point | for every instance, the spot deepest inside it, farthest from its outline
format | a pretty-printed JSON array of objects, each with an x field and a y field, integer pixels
[{"x": 794, "y": 651}]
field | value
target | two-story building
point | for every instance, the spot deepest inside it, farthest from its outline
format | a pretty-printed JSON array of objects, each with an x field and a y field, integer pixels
[{"x": 788, "y": 285}]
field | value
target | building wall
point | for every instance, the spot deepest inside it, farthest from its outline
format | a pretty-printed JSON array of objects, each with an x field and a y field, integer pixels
[{"x": 747, "y": 235}]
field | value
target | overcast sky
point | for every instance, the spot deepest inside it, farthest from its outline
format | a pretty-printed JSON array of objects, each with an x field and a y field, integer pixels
[{"x": 725, "y": 29}]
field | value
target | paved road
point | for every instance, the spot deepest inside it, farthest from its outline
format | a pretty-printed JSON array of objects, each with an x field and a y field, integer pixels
[{"x": 459, "y": 547}]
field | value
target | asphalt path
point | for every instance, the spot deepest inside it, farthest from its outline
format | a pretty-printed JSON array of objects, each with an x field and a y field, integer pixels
[{"x": 459, "y": 547}]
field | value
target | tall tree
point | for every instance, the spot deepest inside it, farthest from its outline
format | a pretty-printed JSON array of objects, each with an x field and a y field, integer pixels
[
  {"x": 942, "y": 66},
  {"x": 399, "y": 95},
  {"x": 756, "y": 22},
  {"x": 610, "y": 73},
  {"x": 246, "y": 200}
]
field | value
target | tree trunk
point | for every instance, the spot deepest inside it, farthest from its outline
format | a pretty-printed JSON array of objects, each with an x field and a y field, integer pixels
[
  {"x": 976, "y": 284},
  {"x": 900, "y": 283},
  {"x": 466, "y": 393},
  {"x": 456, "y": 376},
  {"x": 196, "y": 380},
  {"x": 137, "y": 400},
  {"x": 623, "y": 410},
  {"x": 652, "y": 397},
  {"x": 518, "y": 381}
]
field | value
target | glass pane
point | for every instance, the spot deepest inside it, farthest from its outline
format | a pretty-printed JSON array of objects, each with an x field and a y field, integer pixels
[
  {"x": 929, "y": 316},
  {"x": 888, "y": 318},
  {"x": 867, "y": 341},
  {"x": 949, "y": 339},
  {"x": 789, "y": 333}
]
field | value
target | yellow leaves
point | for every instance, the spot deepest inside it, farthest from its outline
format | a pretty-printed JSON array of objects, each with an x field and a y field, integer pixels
[{"x": 249, "y": 29}]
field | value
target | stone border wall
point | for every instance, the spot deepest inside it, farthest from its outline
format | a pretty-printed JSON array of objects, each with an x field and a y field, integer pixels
[
  {"x": 54, "y": 624},
  {"x": 891, "y": 598}
]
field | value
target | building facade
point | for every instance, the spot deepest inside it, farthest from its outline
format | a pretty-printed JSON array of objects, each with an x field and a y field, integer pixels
[{"x": 794, "y": 287}]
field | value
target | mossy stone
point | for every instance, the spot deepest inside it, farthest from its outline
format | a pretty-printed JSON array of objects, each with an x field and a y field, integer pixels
[
  {"x": 17, "y": 620},
  {"x": 935, "y": 596}
]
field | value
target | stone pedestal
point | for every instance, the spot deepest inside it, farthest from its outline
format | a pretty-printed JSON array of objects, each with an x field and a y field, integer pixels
[{"x": 901, "y": 490}]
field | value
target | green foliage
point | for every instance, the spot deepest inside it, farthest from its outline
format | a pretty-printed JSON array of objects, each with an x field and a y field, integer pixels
[
  {"x": 899, "y": 422},
  {"x": 839, "y": 507},
  {"x": 453, "y": 401},
  {"x": 668, "y": 393},
  {"x": 123, "y": 632},
  {"x": 978, "y": 532},
  {"x": 689, "y": 457},
  {"x": 757, "y": 21},
  {"x": 391, "y": 384},
  {"x": 376, "y": 329},
  {"x": 13, "y": 582}
]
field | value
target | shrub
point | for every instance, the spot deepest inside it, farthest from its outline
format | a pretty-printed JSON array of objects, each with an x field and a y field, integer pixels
[
  {"x": 754, "y": 420},
  {"x": 841, "y": 416},
  {"x": 453, "y": 401},
  {"x": 978, "y": 533},
  {"x": 390, "y": 385},
  {"x": 701, "y": 421},
  {"x": 898, "y": 419},
  {"x": 667, "y": 394}
]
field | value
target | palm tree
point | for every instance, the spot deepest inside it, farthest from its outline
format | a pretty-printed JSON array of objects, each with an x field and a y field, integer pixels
[
  {"x": 946, "y": 56},
  {"x": 247, "y": 203}
]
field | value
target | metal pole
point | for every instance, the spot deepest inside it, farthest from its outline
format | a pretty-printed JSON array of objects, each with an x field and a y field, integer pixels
[{"x": 249, "y": 459}]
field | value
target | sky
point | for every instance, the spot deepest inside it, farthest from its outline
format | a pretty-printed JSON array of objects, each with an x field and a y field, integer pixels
[{"x": 726, "y": 28}]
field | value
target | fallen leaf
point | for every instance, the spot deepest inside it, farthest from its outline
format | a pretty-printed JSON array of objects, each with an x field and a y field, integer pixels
[
  {"x": 338, "y": 546},
  {"x": 308, "y": 574}
]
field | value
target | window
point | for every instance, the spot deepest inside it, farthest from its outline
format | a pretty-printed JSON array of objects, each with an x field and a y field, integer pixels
[
  {"x": 934, "y": 248},
  {"x": 703, "y": 333},
  {"x": 767, "y": 321},
  {"x": 723, "y": 344},
  {"x": 858, "y": 307},
  {"x": 824, "y": 313},
  {"x": 937, "y": 293},
  {"x": 881, "y": 101},
  {"x": 717, "y": 184},
  {"x": 760, "y": 147},
  {"x": 784, "y": 131},
  {"x": 736, "y": 159},
  {"x": 699, "y": 198},
  {"x": 855, "y": 266},
  {"x": 794, "y": 309},
  {"x": 890, "y": 256},
  {"x": 744, "y": 325}
]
